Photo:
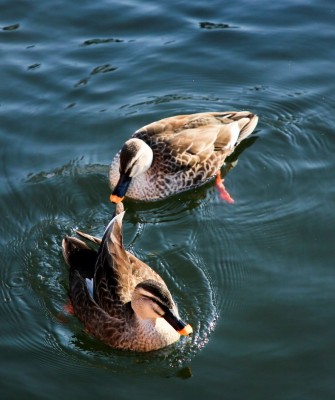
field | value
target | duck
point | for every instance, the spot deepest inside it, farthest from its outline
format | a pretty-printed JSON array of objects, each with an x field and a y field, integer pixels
[
  {"x": 178, "y": 153},
  {"x": 118, "y": 298}
]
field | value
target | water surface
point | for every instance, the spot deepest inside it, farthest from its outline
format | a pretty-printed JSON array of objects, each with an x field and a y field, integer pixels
[{"x": 255, "y": 279}]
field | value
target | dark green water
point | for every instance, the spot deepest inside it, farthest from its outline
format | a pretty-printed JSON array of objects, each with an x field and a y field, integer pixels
[{"x": 255, "y": 279}]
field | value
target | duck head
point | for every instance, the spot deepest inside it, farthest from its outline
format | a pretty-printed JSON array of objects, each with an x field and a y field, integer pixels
[
  {"x": 135, "y": 159},
  {"x": 152, "y": 300}
]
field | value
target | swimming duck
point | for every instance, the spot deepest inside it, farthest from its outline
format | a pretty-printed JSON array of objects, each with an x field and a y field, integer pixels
[
  {"x": 120, "y": 299},
  {"x": 178, "y": 153}
]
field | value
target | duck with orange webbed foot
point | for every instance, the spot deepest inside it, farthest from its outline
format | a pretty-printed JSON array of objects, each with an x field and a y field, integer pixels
[{"x": 178, "y": 153}]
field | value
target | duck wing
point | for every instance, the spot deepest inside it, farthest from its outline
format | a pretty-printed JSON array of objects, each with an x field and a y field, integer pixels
[
  {"x": 81, "y": 260},
  {"x": 117, "y": 271},
  {"x": 186, "y": 140},
  {"x": 79, "y": 257}
]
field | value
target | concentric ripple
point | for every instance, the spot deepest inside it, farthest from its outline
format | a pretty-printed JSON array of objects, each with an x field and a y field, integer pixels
[
  {"x": 37, "y": 285},
  {"x": 199, "y": 245}
]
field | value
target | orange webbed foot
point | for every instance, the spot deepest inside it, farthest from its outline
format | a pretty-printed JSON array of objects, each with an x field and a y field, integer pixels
[
  {"x": 68, "y": 308},
  {"x": 224, "y": 195}
]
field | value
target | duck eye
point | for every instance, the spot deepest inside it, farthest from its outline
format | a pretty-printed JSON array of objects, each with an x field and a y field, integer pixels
[{"x": 156, "y": 305}]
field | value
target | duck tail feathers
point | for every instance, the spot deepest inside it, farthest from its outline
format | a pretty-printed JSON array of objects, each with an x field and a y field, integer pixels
[
  {"x": 113, "y": 230},
  {"x": 247, "y": 124},
  {"x": 78, "y": 256}
]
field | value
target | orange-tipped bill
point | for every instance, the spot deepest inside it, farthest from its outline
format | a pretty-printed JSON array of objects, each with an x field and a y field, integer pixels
[
  {"x": 120, "y": 189},
  {"x": 180, "y": 326},
  {"x": 115, "y": 199},
  {"x": 187, "y": 330}
]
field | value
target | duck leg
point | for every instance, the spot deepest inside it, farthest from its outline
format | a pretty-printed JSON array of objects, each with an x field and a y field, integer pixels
[
  {"x": 224, "y": 195},
  {"x": 68, "y": 308}
]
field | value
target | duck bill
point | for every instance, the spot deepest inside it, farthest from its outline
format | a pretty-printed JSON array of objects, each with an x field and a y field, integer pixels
[
  {"x": 180, "y": 326},
  {"x": 120, "y": 189}
]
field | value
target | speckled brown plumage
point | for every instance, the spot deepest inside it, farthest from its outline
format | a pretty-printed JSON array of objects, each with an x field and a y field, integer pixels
[
  {"x": 188, "y": 150},
  {"x": 117, "y": 274}
]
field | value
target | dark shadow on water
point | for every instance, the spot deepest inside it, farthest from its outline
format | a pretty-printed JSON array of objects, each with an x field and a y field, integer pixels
[
  {"x": 97, "y": 41},
  {"x": 212, "y": 25},
  {"x": 248, "y": 142}
]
